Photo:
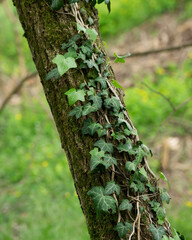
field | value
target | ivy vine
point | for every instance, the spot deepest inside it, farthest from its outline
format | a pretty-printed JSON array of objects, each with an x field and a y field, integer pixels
[{"x": 115, "y": 136}]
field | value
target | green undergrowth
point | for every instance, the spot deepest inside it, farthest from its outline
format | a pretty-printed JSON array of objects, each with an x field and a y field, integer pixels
[
  {"x": 149, "y": 110},
  {"x": 128, "y": 14}
]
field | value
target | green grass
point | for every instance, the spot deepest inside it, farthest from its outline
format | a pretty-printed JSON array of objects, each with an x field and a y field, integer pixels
[{"x": 38, "y": 199}]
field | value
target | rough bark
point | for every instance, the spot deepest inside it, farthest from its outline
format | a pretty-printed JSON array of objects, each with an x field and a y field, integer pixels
[{"x": 45, "y": 30}]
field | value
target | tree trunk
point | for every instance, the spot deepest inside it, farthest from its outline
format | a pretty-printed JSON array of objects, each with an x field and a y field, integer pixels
[{"x": 45, "y": 30}]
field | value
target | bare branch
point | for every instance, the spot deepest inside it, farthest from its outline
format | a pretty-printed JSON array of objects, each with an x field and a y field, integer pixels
[
  {"x": 161, "y": 94},
  {"x": 155, "y": 51},
  {"x": 16, "y": 89}
]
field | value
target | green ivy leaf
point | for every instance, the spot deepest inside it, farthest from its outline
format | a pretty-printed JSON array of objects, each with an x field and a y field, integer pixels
[
  {"x": 134, "y": 186},
  {"x": 96, "y": 156},
  {"x": 111, "y": 188},
  {"x": 56, "y": 4},
  {"x": 73, "y": 1},
  {"x": 75, "y": 95},
  {"x": 97, "y": 100},
  {"x": 125, "y": 205},
  {"x": 157, "y": 232},
  {"x": 109, "y": 160},
  {"x": 89, "y": 108},
  {"x": 143, "y": 172},
  {"x": 91, "y": 91},
  {"x": 165, "y": 196},
  {"x": 128, "y": 132},
  {"x": 119, "y": 59},
  {"x": 80, "y": 28},
  {"x": 106, "y": 147},
  {"x": 101, "y": 132},
  {"x": 102, "y": 81},
  {"x": 151, "y": 188},
  {"x": 90, "y": 127},
  {"x": 116, "y": 84},
  {"x": 123, "y": 229},
  {"x": 64, "y": 64},
  {"x": 101, "y": 201},
  {"x": 123, "y": 122},
  {"x": 76, "y": 112},
  {"x": 90, "y": 20},
  {"x": 130, "y": 166},
  {"x": 90, "y": 63},
  {"x": 112, "y": 103},
  {"x": 53, "y": 74},
  {"x": 92, "y": 33},
  {"x": 126, "y": 147},
  {"x": 139, "y": 155}
]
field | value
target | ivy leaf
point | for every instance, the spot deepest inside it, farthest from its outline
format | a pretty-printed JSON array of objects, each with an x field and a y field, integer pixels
[
  {"x": 64, "y": 64},
  {"x": 130, "y": 166},
  {"x": 157, "y": 232},
  {"x": 123, "y": 229},
  {"x": 102, "y": 81},
  {"x": 97, "y": 100},
  {"x": 90, "y": 127},
  {"x": 80, "y": 28},
  {"x": 125, "y": 205},
  {"x": 101, "y": 201},
  {"x": 139, "y": 155},
  {"x": 116, "y": 84},
  {"x": 112, "y": 103},
  {"x": 53, "y": 74},
  {"x": 92, "y": 33},
  {"x": 89, "y": 108},
  {"x": 151, "y": 188},
  {"x": 118, "y": 136},
  {"x": 165, "y": 196},
  {"x": 56, "y": 4},
  {"x": 76, "y": 112},
  {"x": 90, "y": 63},
  {"x": 123, "y": 122},
  {"x": 100, "y": 1},
  {"x": 71, "y": 53},
  {"x": 101, "y": 132},
  {"x": 143, "y": 172},
  {"x": 106, "y": 147},
  {"x": 127, "y": 147},
  {"x": 96, "y": 156},
  {"x": 111, "y": 188},
  {"x": 90, "y": 20},
  {"x": 134, "y": 186},
  {"x": 73, "y": 1},
  {"x": 128, "y": 132},
  {"x": 140, "y": 186},
  {"x": 91, "y": 91},
  {"x": 119, "y": 59},
  {"x": 109, "y": 161},
  {"x": 75, "y": 95}
]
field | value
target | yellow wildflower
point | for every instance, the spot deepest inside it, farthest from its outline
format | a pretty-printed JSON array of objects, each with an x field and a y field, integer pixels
[
  {"x": 18, "y": 117},
  {"x": 188, "y": 204},
  {"x": 45, "y": 164}
]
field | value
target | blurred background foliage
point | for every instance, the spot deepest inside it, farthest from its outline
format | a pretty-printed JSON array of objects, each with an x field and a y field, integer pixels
[{"x": 37, "y": 196}]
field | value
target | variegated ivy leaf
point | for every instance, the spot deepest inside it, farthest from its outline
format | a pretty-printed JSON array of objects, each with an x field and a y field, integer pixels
[
  {"x": 109, "y": 161},
  {"x": 130, "y": 166},
  {"x": 97, "y": 100},
  {"x": 90, "y": 127},
  {"x": 89, "y": 108},
  {"x": 165, "y": 196},
  {"x": 126, "y": 147},
  {"x": 64, "y": 64},
  {"x": 76, "y": 112},
  {"x": 106, "y": 147},
  {"x": 125, "y": 205},
  {"x": 75, "y": 95},
  {"x": 157, "y": 232},
  {"x": 112, "y": 103},
  {"x": 123, "y": 229},
  {"x": 92, "y": 33},
  {"x": 111, "y": 188},
  {"x": 102, "y": 201}
]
